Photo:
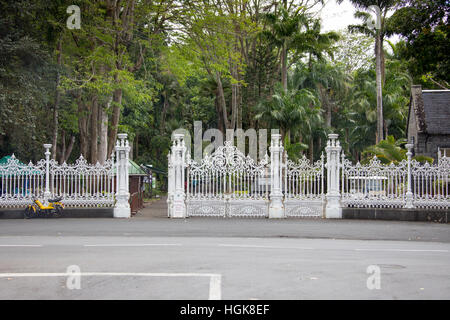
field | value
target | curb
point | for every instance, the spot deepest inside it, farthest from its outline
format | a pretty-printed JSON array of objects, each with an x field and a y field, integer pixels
[
  {"x": 397, "y": 214},
  {"x": 18, "y": 213}
]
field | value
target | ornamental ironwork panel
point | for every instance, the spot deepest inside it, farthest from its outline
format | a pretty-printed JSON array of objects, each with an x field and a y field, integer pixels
[
  {"x": 430, "y": 184},
  {"x": 227, "y": 183},
  {"x": 374, "y": 184},
  {"x": 83, "y": 184},
  {"x": 20, "y": 183}
]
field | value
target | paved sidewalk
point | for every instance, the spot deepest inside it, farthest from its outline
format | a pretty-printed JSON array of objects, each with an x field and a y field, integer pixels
[{"x": 153, "y": 209}]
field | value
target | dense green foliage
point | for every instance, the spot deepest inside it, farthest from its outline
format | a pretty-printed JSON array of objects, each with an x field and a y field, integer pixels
[{"x": 149, "y": 67}]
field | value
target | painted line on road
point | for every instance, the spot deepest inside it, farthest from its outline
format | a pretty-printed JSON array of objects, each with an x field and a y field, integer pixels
[
  {"x": 260, "y": 246},
  {"x": 215, "y": 280},
  {"x": 403, "y": 250},
  {"x": 20, "y": 245},
  {"x": 132, "y": 245}
]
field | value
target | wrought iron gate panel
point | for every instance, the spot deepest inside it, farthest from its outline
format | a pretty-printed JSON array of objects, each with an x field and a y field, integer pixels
[
  {"x": 228, "y": 184},
  {"x": 20, "y": 183},
  {"x": 430, "y": 184},
  {"x": 83, "y": 184},
  {"x": 374, "y": 184},
  {"x": 304, "y": 186}
]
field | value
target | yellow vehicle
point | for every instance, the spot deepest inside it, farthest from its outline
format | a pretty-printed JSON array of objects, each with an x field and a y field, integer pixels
[{"x": 53, "y": 209}]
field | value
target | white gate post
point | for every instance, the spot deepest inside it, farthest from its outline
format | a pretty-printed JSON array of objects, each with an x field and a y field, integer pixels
[
  {"x": 409, "y": 195},
  {"x": 170, "y": 184},
  {"x": 178, "y": 209},
  {"x": 47, "y": 193},
  {"x": 333, "y": 149},
  {"x": 276, "y": 209},
  {"x": 122, "y": 207}
]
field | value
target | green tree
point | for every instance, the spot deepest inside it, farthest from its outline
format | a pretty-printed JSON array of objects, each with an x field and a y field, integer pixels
[{"x": 378, "y": 30}]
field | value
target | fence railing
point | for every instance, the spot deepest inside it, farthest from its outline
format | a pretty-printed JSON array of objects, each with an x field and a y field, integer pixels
[
  {"x": 430, "y": 184},
  {"x": 304, "y": 180},
  {"x": 302, "y": 188},
  {"x": 80, "y": 184},
  {"x": 374, "y": 184},
  {"x": 19, "y": 182}
]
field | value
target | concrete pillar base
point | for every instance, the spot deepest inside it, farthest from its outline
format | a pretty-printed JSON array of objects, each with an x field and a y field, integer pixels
[
  {"x": 122, "y": 212},
  {"x": 333, "y": 213},
  {"x": 178, "y": 209}
]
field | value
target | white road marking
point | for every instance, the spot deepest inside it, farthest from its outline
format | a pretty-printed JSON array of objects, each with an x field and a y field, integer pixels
[
  {"x": 257, "y": 246},
  {"x": 132, "y": 245},
  {"x": 20, "y": 245},
  {"x": 215, "y": 287},
  {"x": 215, "y": 280},
  {"x": 403, "y": 250}
]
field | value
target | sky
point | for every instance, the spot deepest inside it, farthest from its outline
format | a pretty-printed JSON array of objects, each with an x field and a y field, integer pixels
[{"x": 338, "y": 16}]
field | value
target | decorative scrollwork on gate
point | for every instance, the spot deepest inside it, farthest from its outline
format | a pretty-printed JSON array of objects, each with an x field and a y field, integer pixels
[
  {"x": 83, "y": 184},
  {"x": 431, "y": 184},
  {"x": 227, "y": 175},
  {"x": 374, "y": 184},
  {"x": 19, "y": 182},
  {"x": 304, "y": 180}
]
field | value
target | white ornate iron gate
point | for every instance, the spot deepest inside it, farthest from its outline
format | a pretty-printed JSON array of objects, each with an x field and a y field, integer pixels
[
  {"x": 227, "y": 184},
  {"x": 304, "y": 188},
  {"x": 230, "y": 184}
]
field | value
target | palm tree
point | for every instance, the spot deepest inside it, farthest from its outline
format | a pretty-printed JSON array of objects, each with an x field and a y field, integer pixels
[
  {"x": 379, "y": 33},
  {"x": 391, "y": 151},
  {"x": 295, "y": 111},
  {"x": 387, "y": 151},
  {"x": 284, "y": 28}
]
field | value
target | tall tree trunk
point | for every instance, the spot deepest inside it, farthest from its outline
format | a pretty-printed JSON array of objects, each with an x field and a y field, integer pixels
[
  {"x": 284, "y": 66},
  {"x": 63, "y": 146},
  {"x": 103, "y": 132},
  {"x": 378, "y": 48},
  {"x": 69, "y": 149},
  {"x": 57, "y": 101},
  {"x": 220, "y": 122},
  {"x": 222, "y": 102},
  {"x": 164, "y": 111},
  {"x": 112, "y": 135},
  {"x": 94, "y": 129},
  {"x": 83, "y": 126}
]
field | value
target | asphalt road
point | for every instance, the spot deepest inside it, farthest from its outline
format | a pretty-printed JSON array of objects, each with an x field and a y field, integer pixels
[
  {"x": 126, "y": 267},
  {"x": 221, "y": 227},
  {"x": 158, "y": 258}
]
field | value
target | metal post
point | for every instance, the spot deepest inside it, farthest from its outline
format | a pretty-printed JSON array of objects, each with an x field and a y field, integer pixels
[
  {"x": 47, "y": 193},
  {"x": 333, "y": 149},
  {"x": 122, "y": 206},
  {"x": 178, "y": 154},
  {"x": 276, "y": 208},
  {"x": 409, "y": 195}
]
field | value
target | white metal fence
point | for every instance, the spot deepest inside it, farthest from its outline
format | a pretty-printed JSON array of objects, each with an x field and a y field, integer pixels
[
  {"x": 374, "y": 184},
  {"x": 19, "y": 183},
  {"x": 80, "y": 184},
  {"x": 227, "y": 183},
  {"x": 430, "y": 184},
  {"x": 304, "y": 187}
]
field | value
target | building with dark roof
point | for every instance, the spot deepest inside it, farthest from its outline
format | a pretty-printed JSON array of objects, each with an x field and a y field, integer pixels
[{"x": 428, "y": 125}]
